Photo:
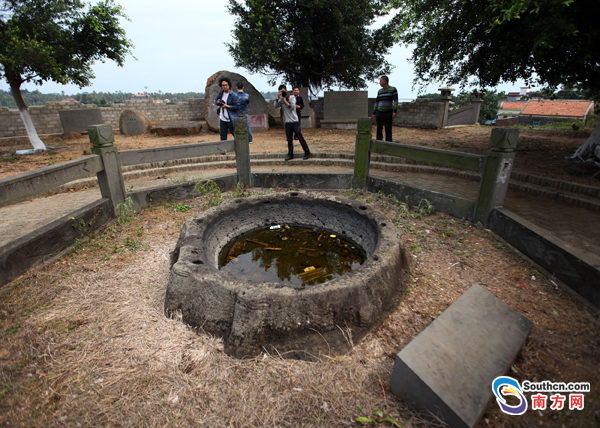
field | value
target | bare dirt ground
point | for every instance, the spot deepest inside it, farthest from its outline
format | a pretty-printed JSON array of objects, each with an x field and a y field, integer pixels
[
  {"x": 83, "y": 341},
  {"x": 540, "y": 151}
]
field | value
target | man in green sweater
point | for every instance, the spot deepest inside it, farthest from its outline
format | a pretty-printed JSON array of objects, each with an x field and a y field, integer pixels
[{"x": 385, "y": 109}]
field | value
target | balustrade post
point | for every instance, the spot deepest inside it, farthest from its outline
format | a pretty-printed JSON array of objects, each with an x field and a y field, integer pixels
[
  {"x": 110, "y": 179},
  {"x": 445, "y": 97},
  {"x": 496, "y": 172},
  {"x": 242, "y": 151},
  {"x": 362, "y": 153}
]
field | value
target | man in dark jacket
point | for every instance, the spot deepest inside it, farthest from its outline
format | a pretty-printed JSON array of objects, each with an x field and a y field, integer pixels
[
  {"x": 299, "y": 107},
  {"x": 243, "y": 106}
]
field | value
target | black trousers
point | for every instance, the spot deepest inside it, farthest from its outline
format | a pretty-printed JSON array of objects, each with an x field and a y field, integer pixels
[
  {"x": 384, "y": 119},
  {"x": 299, "y": 123},
  {"x": 292, "y": 128}
]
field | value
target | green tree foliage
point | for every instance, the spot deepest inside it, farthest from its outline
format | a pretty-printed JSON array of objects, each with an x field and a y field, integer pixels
[
  {"x": 483, "y": 43},
  {"x": 569, "y": 94},
  {"x": 109, "y": 98},
  {"x": 57, "y": 40},
  {"x": 31, "y": 98},
  {"x": 433, "y": 97},
  {"x": 312, "y": 43}
]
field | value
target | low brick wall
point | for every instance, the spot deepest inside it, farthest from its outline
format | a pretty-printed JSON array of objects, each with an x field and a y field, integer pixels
[
  {"x": 46, "y": 120},
  {"x": 422, "y": 113},
  {"x": 529, "y": 120}
]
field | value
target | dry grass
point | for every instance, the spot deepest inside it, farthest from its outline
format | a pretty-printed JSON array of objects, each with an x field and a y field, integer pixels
[{"x": 84, "y": 341}]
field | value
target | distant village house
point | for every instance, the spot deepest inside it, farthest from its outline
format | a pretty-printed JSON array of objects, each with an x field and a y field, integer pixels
[{"x": 140, "y": 97}]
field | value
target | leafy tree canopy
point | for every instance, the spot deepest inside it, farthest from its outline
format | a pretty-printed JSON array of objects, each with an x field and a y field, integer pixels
[
  {"x": 57, "y": 40},
  {"x": 312, "y": 43},
  {"x": 483, "y": 43}
]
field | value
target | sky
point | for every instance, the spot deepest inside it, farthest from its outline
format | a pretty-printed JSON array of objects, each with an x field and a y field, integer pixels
[{"x": 179, "y": 44}]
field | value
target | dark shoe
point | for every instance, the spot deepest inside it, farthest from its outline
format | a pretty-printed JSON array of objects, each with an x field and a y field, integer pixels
[
  {"x": 307, "y": 156},
  {"x": 289, "y": 157}
]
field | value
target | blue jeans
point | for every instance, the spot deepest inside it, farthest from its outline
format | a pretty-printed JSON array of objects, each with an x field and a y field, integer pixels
[
  {"x": 249, "y": 130},
  {"x": 223, "y": 127}
]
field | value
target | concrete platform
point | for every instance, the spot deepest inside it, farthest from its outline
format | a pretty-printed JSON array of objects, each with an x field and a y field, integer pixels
[{"x": 448, "y": 369}]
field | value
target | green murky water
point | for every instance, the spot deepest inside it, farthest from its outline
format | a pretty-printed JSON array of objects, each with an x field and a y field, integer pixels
[{"x": 295, "y": 256}]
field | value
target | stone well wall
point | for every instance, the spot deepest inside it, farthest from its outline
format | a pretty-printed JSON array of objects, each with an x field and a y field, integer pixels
[{"x": 46, "y": 119}]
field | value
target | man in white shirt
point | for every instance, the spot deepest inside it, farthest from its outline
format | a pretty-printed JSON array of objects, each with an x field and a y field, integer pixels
[
  {"x": 227, "y": 103},
  {"x": 288, "y": 103}
]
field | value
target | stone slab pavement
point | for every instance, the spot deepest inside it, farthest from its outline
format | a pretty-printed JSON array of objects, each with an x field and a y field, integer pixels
[{"x": 576, "y": 227}]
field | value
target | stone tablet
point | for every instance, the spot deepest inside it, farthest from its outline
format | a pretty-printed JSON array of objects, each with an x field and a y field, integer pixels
[
  {"x": 78, "y": 120},
  {"x": 258, "y": 105},
  {"x": 448, "y": 369},
  {"x": 346, "y": 105},
  {"x": 180, "y": 127},
  {"x": 133, "y": 122},
  {"x": 258, "y": 121}
]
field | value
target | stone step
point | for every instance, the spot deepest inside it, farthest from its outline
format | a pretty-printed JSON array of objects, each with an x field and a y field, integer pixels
[
  {"x": 449, "y": 368},
  {"x": 569, "y": 193}
]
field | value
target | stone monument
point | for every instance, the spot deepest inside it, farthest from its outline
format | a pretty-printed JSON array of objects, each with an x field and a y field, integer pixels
[
  {"x": 258, "y": 116},
  {"x": 133, "y": 122},
  {"x": 78, "y": 120},
  {"x": 343, "y": 108}
]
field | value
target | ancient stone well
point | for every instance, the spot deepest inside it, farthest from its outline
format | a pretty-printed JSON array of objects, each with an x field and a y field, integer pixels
[{"x": 324, "y": 319}]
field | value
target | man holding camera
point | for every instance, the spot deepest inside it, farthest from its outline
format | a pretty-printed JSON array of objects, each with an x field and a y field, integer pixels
[
  {"x": 288, "y": 103},
  {"x": 228, "y": 107}
]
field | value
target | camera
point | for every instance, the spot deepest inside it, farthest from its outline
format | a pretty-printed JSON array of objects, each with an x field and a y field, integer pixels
[
  {"x": 283, "y": 94},
  {"x": 221, "y": 103}
]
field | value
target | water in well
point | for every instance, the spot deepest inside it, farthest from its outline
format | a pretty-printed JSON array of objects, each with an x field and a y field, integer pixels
[{"x": 293, "y": 255}]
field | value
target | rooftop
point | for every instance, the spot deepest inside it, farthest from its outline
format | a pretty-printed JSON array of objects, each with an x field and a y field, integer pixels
[
  {"x": 507, "y": 105},
  {"x": 563, "y": 108}
]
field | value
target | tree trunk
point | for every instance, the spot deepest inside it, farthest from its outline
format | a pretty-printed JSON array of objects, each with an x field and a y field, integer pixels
[
  {"x": 15, "y": 86},
  {"x": 587, "y": 148}
]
